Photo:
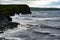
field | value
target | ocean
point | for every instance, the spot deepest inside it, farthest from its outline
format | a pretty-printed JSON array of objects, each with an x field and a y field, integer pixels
[{"x": 40, "y": 25}]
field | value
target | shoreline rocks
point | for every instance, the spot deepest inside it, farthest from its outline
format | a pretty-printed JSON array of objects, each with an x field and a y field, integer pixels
[
  {"x": 9, "y": 10},
  {"x": 5, "y": 24}
]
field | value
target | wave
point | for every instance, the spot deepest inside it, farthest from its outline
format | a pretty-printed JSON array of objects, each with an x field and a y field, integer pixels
[
  {"x": 52, "y": 27},
  {"x": 30, "y": 17},
  {"x": 54, "y": 18},
  {"x": 54, "y": 21},
  {"x": 30, "y": 29}
]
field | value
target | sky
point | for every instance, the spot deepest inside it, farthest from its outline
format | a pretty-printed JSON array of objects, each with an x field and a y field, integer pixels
[{"x": 34, "y": 3}]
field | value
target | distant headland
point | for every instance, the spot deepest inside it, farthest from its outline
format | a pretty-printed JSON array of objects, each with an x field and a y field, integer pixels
[{"x": 43, "y": 9}]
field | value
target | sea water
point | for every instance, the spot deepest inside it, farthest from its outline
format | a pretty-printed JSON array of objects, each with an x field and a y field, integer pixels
[{"x": 40, "y": 25}]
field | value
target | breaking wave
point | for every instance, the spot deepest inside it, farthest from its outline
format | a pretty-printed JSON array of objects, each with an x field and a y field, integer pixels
[{"x": 40, "y": 25}]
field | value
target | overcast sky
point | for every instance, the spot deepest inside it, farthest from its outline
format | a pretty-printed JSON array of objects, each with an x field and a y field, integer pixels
[{"x": 34, "y": 3}]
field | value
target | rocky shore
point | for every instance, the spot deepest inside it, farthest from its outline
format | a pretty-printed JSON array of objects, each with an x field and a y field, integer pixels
[
  {"x": 6, "y": 24},
  {"x": 9, "y": 10}
]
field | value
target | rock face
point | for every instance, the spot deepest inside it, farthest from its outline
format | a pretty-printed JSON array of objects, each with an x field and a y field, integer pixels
[
  {"x": 10, "y": 10},
  {"x": 5, "y": 24}
]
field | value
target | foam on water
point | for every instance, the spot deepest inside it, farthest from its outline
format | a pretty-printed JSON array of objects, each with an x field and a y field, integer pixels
[
  {"x": 24, "y": 19},
  {"x": 35, "y": 26}
]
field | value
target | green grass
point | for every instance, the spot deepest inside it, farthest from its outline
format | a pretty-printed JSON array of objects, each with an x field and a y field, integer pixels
[{"x": 9, "y": 9}]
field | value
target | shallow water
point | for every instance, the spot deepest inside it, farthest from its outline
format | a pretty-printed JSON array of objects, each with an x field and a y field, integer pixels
[{"x": 40, "y": 25}]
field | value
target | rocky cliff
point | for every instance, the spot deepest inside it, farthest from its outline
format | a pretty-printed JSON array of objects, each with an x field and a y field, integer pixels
[{"x": 9, "y": 10}]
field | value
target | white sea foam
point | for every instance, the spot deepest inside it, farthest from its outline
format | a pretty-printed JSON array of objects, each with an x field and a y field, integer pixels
[
  {"x": 29, "y": 24},
  {"x": 24, "y": 19}
]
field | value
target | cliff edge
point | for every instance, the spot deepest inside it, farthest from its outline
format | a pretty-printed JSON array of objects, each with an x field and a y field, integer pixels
[{"x": 9, "y": 10}]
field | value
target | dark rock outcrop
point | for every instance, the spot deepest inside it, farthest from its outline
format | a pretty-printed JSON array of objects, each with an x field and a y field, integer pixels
[
  {"x": 10, "y": 10},
  {"x": 9, "y": 18},
  {"x": 5, "y": 24},
  {"x": 1, "y": 38}
]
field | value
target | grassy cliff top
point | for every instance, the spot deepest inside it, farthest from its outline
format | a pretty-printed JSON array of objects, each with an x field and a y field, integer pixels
[
  {"x": 43, "y": 9},
  {"x": 11, "y": 9},
  {"x": 13, "y": 6}
]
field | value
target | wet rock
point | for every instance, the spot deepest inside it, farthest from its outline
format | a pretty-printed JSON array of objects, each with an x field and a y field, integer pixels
[
  {"x": 11, "y": 25},
  {"x": 1, "y": 32},
  {"x": 5, "y": 24},
  {"x": 8, "y": 18},
  {"x": 1, "y": 38},
  {"x": 8, "y": 25}
]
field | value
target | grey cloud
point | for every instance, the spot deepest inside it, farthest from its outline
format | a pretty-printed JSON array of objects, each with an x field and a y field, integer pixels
[
  {"x": 5, "y": 2},
  {"x": 24, "y": 0}
]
